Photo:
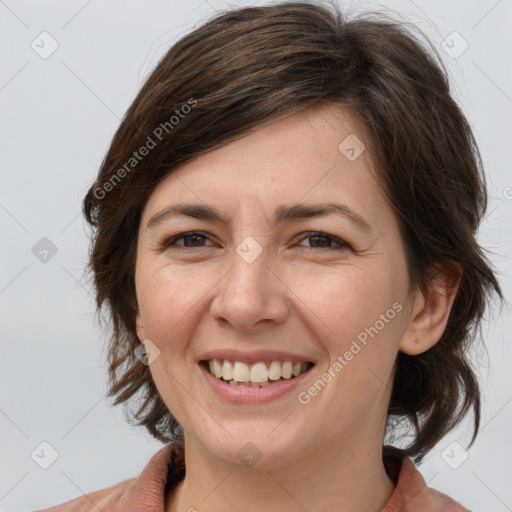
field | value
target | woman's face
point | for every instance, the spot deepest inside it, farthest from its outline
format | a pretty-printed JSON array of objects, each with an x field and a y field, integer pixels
[{"x": 266, "y": 289}]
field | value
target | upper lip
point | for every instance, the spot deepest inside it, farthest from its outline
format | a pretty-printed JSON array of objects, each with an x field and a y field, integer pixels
[{"x": 253, "y": 356}]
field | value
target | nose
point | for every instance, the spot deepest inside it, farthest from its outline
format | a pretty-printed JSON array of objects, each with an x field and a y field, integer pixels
[{"x": 251, "y": 296}]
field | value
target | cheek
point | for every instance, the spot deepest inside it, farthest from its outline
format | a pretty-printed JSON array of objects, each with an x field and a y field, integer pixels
[
  {"x": 166, "y": 293},
  {"x": 359, "y": 317},
  {"x": 164, "y": 302},
  {"x": 170, "y": 304},
  {"x": 347, "y": 299}
]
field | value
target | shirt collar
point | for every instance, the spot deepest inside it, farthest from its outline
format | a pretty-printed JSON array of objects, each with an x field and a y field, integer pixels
[{"x": 167, "y": 468}]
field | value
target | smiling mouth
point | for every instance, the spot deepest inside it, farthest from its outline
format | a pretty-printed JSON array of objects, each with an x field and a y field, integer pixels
[{"x": 260, "y": 374}]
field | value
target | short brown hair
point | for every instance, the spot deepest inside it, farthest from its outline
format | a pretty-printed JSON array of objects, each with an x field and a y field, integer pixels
[{"x": 249, "y": 66}]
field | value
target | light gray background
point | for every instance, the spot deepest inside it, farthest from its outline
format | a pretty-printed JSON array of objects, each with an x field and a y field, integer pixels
[{"x": 57, "y": 118}]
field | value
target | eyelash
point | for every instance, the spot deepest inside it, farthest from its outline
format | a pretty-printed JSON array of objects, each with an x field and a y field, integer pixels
[{"x": 168, "y": 243}]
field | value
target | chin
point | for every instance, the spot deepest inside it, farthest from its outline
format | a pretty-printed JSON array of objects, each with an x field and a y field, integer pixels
[{"x": 256, "y": 447}]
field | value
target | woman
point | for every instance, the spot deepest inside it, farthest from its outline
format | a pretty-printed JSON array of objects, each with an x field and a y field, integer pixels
[{"x": 284, "y": 236}]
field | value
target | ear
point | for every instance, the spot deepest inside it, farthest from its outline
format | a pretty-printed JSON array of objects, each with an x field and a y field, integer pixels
[
  {"x": 139, "y": 326},
  {"x": 430, "y": 311}
]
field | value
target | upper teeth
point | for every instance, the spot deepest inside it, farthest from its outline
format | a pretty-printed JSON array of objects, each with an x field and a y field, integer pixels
[{"x": 258, "y": 372}]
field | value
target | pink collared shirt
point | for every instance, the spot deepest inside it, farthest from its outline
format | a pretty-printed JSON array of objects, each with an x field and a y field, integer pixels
[{"x": 165, "y": 469}]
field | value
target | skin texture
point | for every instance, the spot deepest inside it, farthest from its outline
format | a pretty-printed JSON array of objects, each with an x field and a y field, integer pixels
[{"x": 305, "y": 295}]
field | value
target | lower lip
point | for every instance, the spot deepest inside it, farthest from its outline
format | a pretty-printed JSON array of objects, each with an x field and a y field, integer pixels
[{"x": 249, "y": 394}]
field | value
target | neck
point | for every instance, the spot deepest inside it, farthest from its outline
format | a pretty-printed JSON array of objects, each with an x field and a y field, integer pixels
[{"x": 333, "y": 476}]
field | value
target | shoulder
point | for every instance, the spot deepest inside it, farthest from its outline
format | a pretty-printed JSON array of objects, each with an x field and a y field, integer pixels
[
  {"x": 145, "y": 492},
  {"x": 411, "y": 493},
  {"x": 100, "y": 499}
]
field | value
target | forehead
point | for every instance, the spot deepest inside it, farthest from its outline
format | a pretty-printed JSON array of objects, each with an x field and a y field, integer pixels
[{"x": 315, "y": 155}]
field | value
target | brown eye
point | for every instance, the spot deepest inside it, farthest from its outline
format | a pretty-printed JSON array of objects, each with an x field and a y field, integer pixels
[
  {"x": 190, "y": 240},
  {"x": 324, "y": 241}
]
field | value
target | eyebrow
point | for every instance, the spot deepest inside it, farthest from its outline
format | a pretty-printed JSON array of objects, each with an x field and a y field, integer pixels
[{"x": 282, "y": 214}]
